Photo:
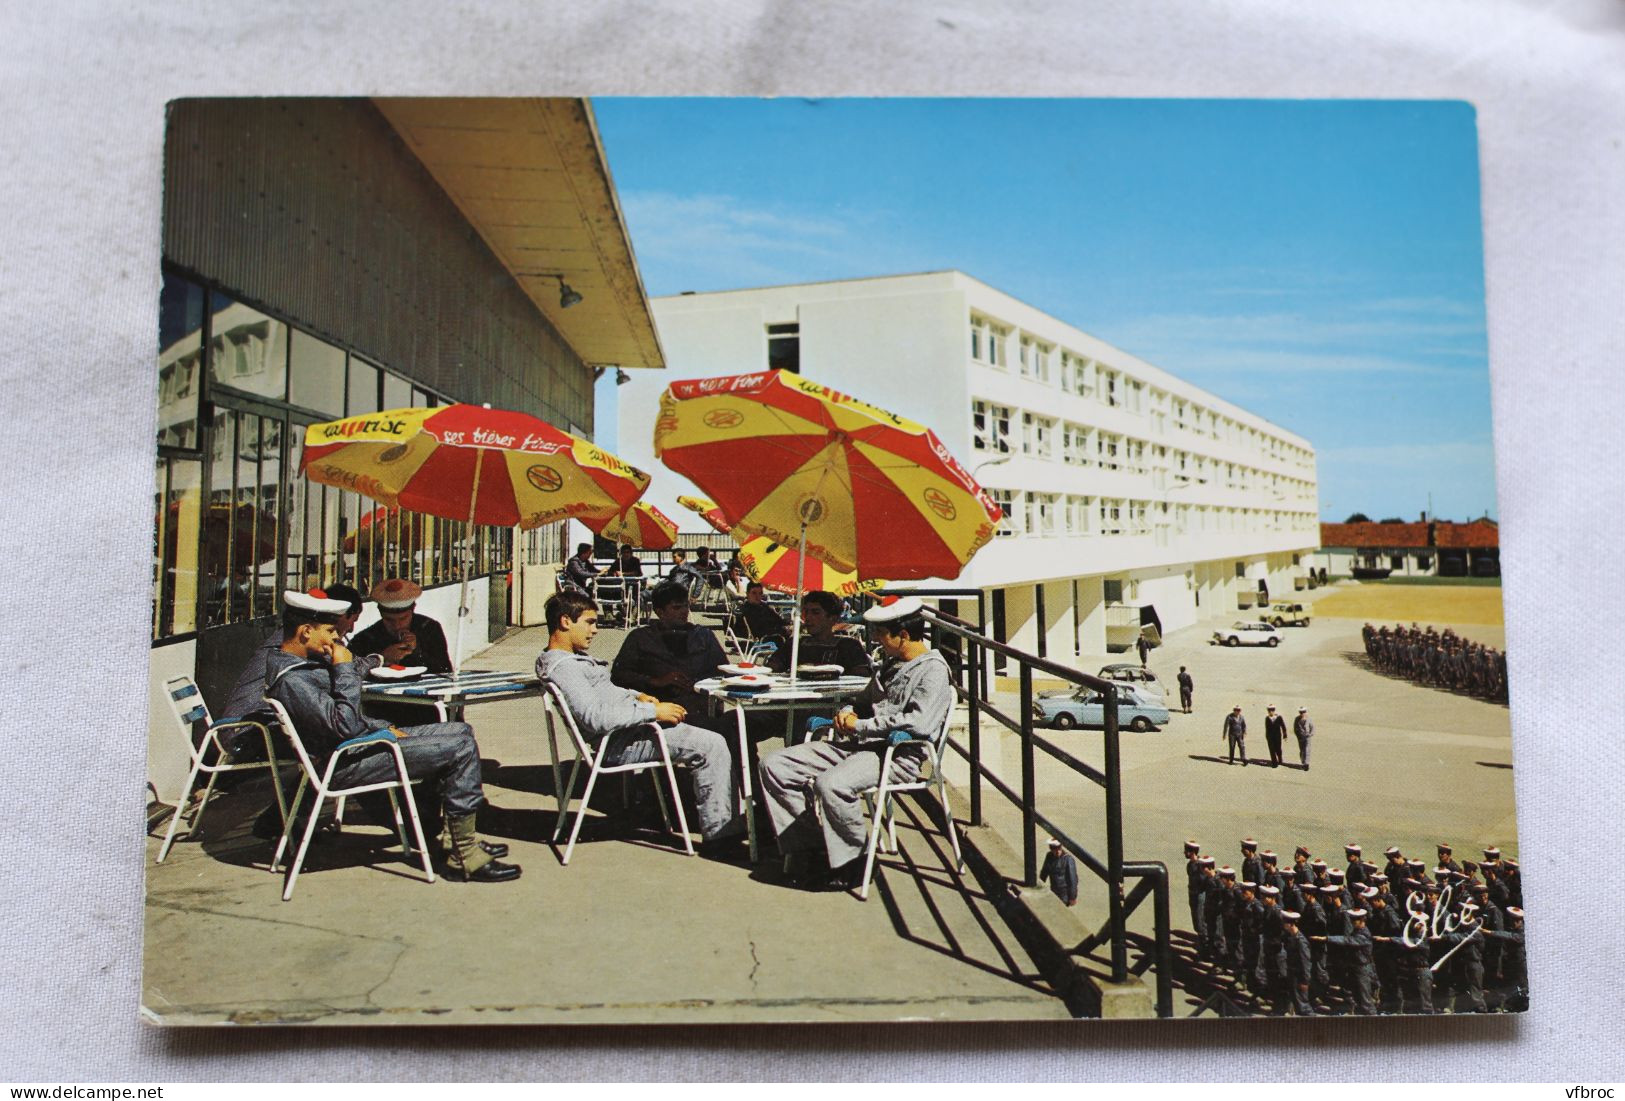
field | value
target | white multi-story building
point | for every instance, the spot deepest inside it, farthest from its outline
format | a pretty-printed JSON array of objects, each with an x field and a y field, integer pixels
[{"x": 1124, "y": 487}]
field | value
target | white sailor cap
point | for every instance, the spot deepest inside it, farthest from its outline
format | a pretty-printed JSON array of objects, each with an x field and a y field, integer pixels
[
  {"x": 1227, "y": 870},
  {"x": 1290, "y": 915},
  {"x": 315, "y": 602},
  {"x": 1205, "y": 861},
  {"x": 1270, "y": 892},
  {"x": 1357, "y": 912},
  {"x": 1334, "y": 873},
  {"x": 1351, "y": 847},
  {"x": 1391, "y": 850},
  {"x": 1054, "y": 843},
  {"x": 1516, "y": 911},
  {"x": 1468, "y": 909},
  {"x": 1368, "y": 892},
  {"x": 1492, "y": 853},
  {"x": 894, "y": 608},
  {"x": 1248, "y": 885},
  {"x": 1303, "y": 710}
]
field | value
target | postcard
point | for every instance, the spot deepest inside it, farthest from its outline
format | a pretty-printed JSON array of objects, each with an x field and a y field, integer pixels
[{"x": 719, "y": 561}]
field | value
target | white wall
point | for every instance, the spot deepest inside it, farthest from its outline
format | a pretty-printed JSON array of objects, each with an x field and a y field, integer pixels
[{"x": 168, "y": 758}]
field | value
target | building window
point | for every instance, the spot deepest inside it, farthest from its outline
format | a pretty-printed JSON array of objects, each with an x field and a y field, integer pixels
[
  {"x": 248, "y": 351},
  {"x": 1107, "y": 450},
  {"x": 990, "y": 427},
  {"x": 1006, "y": 500},
  {"x": 1135, "y": 394},
  {"x": 1036, "y": 433},
  {"x": 996, "y": 341},
  {"x": 1111, "y": 517},
  {"x": 1034, "y": 360},
  {"x": 177, "y": 528},
  {"x": 1108, "y": 389},
  {"x": 180, "y": 362},
  {"x": 1077, "y": 375},
  {"x": 239, "y": 524},
  {"x": 1040, "y": 515},
  {"x": 1077, "y": 514},
  {"x": 784, "y": 347},
  {"x": 1075, "y": 444},
  {"x": 1139, "y": 523},
  {"x": 1134, "y": 456}
]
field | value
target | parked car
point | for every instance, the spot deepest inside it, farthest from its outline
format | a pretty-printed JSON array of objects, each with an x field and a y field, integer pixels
[
  {"x": 1286, "y": 614},
  {"x": 1242, "y": 633},
  {"x": 1135, "y": 709},
  {"x": 1136, "y": 675}
]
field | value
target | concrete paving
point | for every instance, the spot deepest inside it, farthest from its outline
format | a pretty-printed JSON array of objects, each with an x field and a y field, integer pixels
[{"x": 633, "y": 931}]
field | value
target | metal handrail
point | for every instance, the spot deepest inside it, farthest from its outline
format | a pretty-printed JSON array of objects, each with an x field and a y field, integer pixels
[{"x": 1112, "y": 870}]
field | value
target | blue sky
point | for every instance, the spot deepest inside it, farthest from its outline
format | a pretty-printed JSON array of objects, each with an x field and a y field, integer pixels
[{"x": 1319, "y": 263}]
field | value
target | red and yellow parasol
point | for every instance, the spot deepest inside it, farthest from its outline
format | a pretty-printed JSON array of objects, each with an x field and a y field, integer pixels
[
  {"x": 781, "y": 569},
  {"x": 471, "y": 463},
  {"x": 869, "y": 491},
  {"x": 642, "y": 525},
  {"x": 465, "y": 462},
  {"x": 709, "y": 512}
]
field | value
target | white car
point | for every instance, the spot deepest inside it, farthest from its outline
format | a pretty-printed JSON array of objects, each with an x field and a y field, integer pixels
[{"x": 1241, "y": 633}]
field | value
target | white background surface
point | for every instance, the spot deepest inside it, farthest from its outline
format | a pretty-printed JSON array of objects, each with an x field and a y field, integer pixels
[{"x": 81, "y": 136}]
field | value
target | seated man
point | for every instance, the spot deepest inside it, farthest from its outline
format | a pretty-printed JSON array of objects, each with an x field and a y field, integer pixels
[
  {"x": 820, "y": 644},
  {"x": 247, "y": 699},
  {"x": 663, "y": 659},
  {"x": 910, "y": 697},
  {"x": 318, "y": 680},
  {"x": 683, "y": 572},
  {"x": 401, "y": 635},
  {"x": 603, "y": 710},
  {"x": 580, "y": 571},
  {"x": 756, "y": 618},
  {"x": 627, "y": 562}
]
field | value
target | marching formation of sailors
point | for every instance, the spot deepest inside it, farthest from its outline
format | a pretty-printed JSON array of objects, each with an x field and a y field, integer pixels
[
  {"x": 1314, "y": 939},
  {"x": 1440, "y": 659}
]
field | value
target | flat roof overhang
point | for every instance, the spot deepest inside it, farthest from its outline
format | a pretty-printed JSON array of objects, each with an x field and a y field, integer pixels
[{"x": 531, "y": 178}]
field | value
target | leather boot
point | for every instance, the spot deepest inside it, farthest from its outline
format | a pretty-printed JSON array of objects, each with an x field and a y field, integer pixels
[{"x": 465, "y": 855}]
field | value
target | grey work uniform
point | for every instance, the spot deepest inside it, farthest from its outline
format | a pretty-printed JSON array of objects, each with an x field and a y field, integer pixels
[
  {"x": 1303, "y": 728},
  {"x": 603, "y": 710},
  {"x": 914, "y": 696},
  {"x": 324, "y": 701}
]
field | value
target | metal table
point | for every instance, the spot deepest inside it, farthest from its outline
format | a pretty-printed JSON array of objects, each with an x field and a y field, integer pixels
[
  {"x": 450, "y": 695},
  {"x": 782, "y": 696}
]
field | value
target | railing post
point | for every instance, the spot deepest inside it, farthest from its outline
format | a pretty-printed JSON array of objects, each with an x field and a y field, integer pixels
[
  {"x": 974, "y": 693},
  {"x": 1164, "y": 949},
  {"x": 1029, "y": 795},
  {"x": 1114, "y": 841}
]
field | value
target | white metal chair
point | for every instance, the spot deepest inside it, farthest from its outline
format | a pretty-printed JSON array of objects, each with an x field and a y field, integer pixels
[
  {"x": 322, "y": 786},
  {"x": 613, "y": 605},
  {"x": 878, "y": 799},
  {"x": 187, "y": 704},
  {"x": 557, "y": 712}
]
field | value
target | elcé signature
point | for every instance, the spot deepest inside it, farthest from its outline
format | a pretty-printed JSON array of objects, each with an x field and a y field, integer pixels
[{"x": 1420, "y": 927}]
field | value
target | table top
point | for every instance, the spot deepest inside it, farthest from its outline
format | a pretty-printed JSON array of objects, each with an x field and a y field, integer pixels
[
  {"x": 467, "y": 685},
  {"x": 782, "y": 690}
]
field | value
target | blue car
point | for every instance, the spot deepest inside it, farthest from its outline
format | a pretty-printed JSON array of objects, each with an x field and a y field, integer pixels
[{"x": 1136, "y": 710}]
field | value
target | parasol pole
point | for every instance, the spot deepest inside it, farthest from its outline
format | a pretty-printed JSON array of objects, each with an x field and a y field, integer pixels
[
  {"x": 795, "y": 614},
  {"x": 462, "y": 597}
]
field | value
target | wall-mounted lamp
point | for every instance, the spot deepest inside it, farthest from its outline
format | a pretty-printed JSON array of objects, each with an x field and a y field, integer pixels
[{"x": 568, "y": 295}]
